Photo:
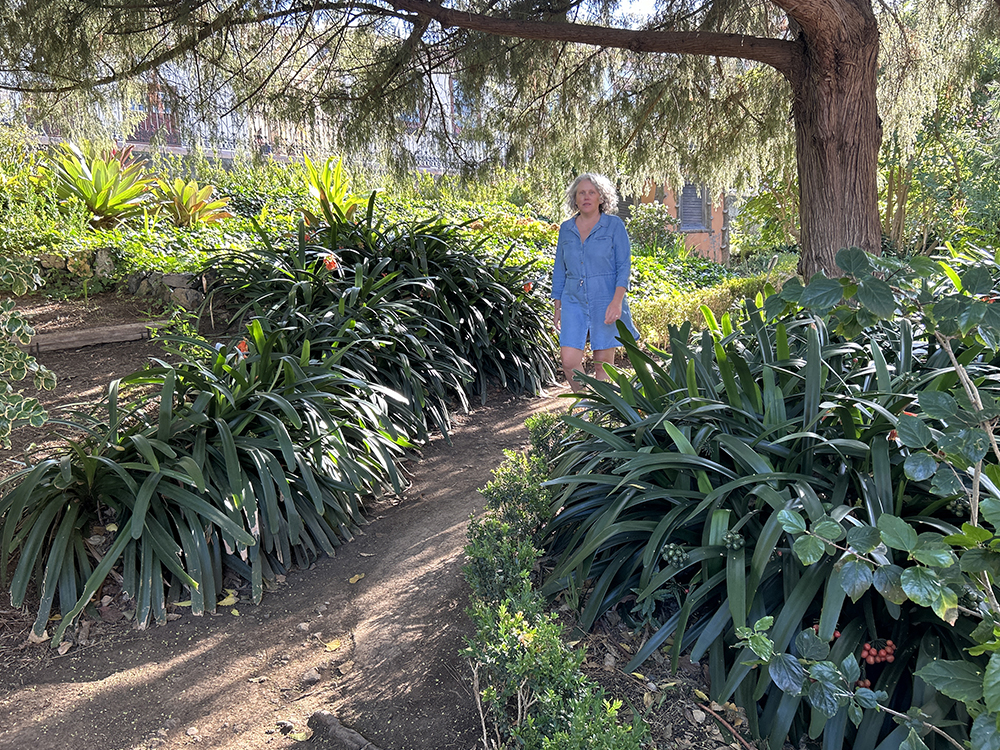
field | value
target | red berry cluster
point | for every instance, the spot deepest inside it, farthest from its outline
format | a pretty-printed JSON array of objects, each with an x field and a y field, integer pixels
[
  {"x": 873, "y": 654},
  {"x": 836, "y": 633}
]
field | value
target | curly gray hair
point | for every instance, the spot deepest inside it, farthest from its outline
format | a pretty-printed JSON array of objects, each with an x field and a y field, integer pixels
[{"x": 609, "y": 196}]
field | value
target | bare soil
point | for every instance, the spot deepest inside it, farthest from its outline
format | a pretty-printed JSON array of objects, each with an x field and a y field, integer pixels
[{"x": 380, "y": 653}]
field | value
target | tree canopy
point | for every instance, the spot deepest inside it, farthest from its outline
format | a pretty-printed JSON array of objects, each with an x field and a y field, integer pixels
[{"x": 718, "y": 90}]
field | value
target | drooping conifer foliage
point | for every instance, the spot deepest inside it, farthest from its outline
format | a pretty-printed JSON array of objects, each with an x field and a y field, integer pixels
[{"x": 716, "y": 90}]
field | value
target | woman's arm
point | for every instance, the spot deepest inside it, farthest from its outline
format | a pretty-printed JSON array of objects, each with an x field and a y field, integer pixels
[
  {"x": 623, "y": 254},
  {"x": 558, "y": 282}
]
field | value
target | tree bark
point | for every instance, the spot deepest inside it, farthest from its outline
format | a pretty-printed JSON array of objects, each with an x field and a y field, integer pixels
[{"x": 838, "y": 132}]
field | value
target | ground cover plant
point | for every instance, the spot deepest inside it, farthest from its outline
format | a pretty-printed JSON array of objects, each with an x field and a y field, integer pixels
[{"x": 801, "y": 483}]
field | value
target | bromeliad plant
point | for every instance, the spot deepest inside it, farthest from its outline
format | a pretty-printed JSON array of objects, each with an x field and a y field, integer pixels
[
  {"x": 190, "y": 204},
  {"x": 704, "y": 468},
  {"x": 251, "y": 459},
  {"x": 113, "y": 184}
]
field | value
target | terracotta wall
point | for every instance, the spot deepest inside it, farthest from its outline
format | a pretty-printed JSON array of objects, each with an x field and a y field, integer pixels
[{"x": 708, "y": 244}]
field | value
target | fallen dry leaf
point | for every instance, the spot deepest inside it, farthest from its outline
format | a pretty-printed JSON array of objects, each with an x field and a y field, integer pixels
[
  {"x": 64, "y": 647},
  {"x": 230, "y": 600},
  {"x": 333, "y": 645},
  {"x": 234, "y": 612},
  {"x": 700, "y": 695},
  {"x": 32, "y": 638},
  {"x": 186, "y": 603},
  {"x": 355, "y": 579}
]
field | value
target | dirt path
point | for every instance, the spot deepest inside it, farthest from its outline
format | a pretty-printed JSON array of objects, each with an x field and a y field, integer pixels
[{"x": 381, "y": 654}]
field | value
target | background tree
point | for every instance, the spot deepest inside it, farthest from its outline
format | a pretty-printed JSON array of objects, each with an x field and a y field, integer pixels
[{"x": 713, "y": 89}]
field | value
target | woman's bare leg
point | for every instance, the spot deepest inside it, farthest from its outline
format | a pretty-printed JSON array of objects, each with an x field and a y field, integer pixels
[
  {"x": 602, "y": 356},
  {"x": 572, "y": 360}
]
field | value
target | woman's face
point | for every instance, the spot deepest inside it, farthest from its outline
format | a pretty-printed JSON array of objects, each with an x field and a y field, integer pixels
[{"x": 588, "y": 200}]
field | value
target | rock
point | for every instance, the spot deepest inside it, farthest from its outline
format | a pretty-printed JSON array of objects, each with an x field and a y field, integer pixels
[
  {"x": 346, "y": 667},
  {"x": 191, "y": 731},
  {"x": 178, "y": 279},
  {"x": 79, "y": 266},
  {"x": 311, "y": 677},
  {"x": 698, "y": 716},
  {"x": 609, "y": 660},
  {"x": 302, "y": 627},
  {"x": 348, "y": 739},
  {"x": 104, "y": 263},
  {"x": 52, "y": 261},
  {"x": 186, "y": 298}
]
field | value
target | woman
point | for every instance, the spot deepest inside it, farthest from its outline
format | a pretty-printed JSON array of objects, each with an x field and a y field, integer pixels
[{"x": 591, "y": 274}]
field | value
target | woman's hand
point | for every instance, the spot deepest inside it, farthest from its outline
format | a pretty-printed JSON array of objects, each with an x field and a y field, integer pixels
[
  {"x": 614, "y": 312},
  {"x": 557, "y": 317}
]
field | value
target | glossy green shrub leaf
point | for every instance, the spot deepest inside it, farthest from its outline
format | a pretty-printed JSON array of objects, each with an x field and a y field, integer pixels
[
  {"x": 913, "y": 742},
  {"x": 985, "y": 732},
  {"x": 977, "y": 280},
  {"x": 877, "y": 296},
  {"x": 810, "y": 646},
  {"x": 809, "y": 549},
  {"x": 913, "y": 432},
  {"x": 791, "y": 522},
  {"x": 991, "y": 684},
  {"x": 938, "y": 405},
  {"x": 947, "y": 484},
  {"x": 969, "y": 446},
  {"x": 888, "y": 581},
  {"x": 856, "y": 578},
  {"x": 866, "y": 696},
  {"x": 960, "y": 680},
  {"x": 823, "y": 697},
  {"x": 854, "y": 261},
  {"x": 980, "y": 561},
  {"x": 897, "y": 533},
  {"x": 787, "y": 673},
  {"x": 851, "y": 669},
  {"x": 920, "y": 466},
  {"x": 821, "y": 293},
  {"x": 829, "y": 529},
  {"x": 922, "y": 585},
  {"x": 863, "y": 539},
  {"x": 930, "y": 550}
]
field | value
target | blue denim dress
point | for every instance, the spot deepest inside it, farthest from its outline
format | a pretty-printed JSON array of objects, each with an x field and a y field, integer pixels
[{"x": 585, "y": 277}]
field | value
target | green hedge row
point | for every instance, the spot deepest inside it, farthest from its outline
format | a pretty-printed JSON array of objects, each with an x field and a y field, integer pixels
[{"x": 528, "y": 684}]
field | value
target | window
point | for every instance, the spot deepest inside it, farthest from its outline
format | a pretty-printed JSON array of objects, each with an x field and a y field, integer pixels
[{"x": 694, "y": 209}]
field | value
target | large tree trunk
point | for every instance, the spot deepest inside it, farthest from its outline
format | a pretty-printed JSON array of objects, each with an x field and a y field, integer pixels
[{"x": 838, "y": 135}]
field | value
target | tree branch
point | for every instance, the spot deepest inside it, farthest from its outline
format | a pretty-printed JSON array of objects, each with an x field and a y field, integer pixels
[{"x": 781, "y": 55}]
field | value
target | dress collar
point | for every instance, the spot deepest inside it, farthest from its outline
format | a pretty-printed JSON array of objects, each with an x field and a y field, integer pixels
[{"x": 602, "y": 221}]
